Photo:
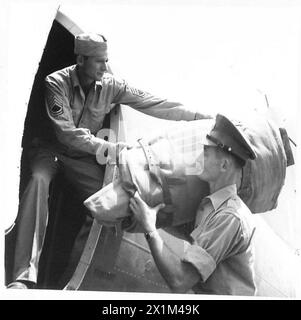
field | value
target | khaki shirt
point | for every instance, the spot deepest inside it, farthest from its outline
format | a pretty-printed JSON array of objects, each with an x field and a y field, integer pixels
[
  {"x": 222, "y": 250},
  {"x": 77, "y": 118}
]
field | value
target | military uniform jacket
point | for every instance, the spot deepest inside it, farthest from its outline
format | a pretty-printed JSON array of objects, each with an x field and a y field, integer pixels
[{"x": 77, "y": 118}]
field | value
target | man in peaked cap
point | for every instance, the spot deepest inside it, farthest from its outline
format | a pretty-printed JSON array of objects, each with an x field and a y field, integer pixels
[
  {"x": 219, "y": 258},
  {"x": 228, "y": 137},
  {"x": 77, "y": 99}
]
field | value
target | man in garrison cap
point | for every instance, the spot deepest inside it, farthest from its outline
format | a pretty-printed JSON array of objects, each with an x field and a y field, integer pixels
[
  {"x": 77, "y": 99},
  {"x": 219, "y": 258}
]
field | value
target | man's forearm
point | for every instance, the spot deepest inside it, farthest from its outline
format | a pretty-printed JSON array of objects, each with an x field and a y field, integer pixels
[
  {"x": 169, "y": 264},
  {"x": 180, "y": 276}
]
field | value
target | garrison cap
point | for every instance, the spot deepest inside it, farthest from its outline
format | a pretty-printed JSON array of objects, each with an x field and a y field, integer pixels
[
  {"x": 230, "y": 138},
  {"x": 90, "y": 44}
]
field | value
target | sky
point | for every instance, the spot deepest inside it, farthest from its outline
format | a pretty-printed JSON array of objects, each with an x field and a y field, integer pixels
[{"x": 213, "y": 56}]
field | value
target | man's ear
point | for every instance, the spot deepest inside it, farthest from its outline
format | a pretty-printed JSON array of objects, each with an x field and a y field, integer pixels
[
  {"x": 80, "y": 60},
  {"x": 225, "y": 164}
]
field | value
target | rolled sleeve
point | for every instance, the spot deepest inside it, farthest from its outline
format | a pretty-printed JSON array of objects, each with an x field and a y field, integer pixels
[
  {"x": 219, "y": 239},
  {"x": 201, "y": 260}
]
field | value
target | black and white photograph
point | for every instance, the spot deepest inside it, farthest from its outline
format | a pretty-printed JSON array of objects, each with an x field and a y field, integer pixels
[{"x": 150, "y": 150}]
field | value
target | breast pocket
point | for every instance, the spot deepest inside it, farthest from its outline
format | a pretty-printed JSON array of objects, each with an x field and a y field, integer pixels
[{"x": 76, "y": 111}]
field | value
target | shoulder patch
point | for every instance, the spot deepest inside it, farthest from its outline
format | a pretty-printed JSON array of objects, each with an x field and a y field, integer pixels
[
  {"x": 55, "y": 106},
  {"x": 137, "y": 92}
]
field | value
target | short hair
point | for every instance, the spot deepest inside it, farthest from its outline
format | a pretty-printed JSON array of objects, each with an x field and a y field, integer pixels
[{"x": 80, "y": 55}]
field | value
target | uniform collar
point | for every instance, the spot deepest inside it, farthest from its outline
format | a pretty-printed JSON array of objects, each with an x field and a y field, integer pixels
[
  {"x": 75, "y": 79},
  {"x": 220, "y": 196},
  {"x": 209, "y": 205}
]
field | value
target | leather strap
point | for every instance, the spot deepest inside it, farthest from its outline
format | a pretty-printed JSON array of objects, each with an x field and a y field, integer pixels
[{"x": 156, "y": 173}]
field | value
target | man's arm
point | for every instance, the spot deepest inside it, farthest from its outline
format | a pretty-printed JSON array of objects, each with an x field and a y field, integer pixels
[
  {"x": 180, "y": 276},
  {"x": 152, "y": 105},
  {"x": 60, "y": 114}
]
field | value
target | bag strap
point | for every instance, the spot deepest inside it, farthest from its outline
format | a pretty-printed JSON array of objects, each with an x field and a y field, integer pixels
[{"x": 157, "y": 175}]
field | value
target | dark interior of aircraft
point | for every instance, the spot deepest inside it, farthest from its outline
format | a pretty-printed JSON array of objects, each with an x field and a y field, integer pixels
[{"x": 66, "y": 213}]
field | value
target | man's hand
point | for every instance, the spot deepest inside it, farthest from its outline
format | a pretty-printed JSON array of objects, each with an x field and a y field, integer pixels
[
  {"x": 146, "y": 215},
  {"x": 115, "y": 148},
  {"x": 201, "y": 116},
  {"x": 121, "y": 145},
  {"x": 110, "y": 152}
]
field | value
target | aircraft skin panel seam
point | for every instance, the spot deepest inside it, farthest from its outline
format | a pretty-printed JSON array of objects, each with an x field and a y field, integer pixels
[
  {"x": 272, "y": 286},
  {"x": 140, "y": 277},
  {"x": 135, "y": 244}
]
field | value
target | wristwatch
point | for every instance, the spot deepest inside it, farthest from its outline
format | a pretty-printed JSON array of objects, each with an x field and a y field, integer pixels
[{"x": 149, "y": 235}]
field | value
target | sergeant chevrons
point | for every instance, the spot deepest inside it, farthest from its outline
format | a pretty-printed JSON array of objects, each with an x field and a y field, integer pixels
[{"x": 77, "y": 118}]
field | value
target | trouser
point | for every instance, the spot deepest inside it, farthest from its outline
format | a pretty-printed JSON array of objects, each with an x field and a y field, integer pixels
[{"x": 85, "y": 174}]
